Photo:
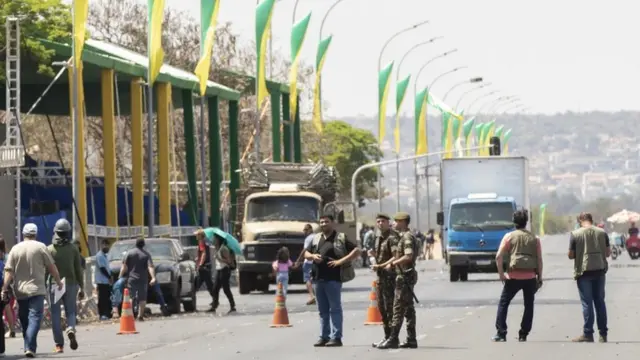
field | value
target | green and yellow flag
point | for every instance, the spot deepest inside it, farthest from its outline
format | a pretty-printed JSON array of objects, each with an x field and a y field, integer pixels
[
  {"x": 543, "y": 211},
  {"x": 317, "y": 98},
  {"x": 505, "y": 142},
  {"x": 155, "y": 52},
  {"x": 456, "y": 128},
  {"x": 499, "y": 131},
  {"x": 264, "y": 10},
  {"x": 488, "y": 133},
  {"x": 384, "y": 81},
  {"x": 467, "y": 130},
  {"x": 298, "y": 34},
  {"x": 208, "y": 20},
  {"x": 481, "y": 129},
  {"x": 446, "y": 125},
  {"x": 422, "y": 146},
  {"x": 401, "y": 90}
]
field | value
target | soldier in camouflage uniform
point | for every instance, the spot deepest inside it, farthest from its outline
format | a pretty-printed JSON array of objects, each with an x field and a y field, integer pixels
[
  {"x": 385, "y": 242},
  {"x": 403, "y": 262}
]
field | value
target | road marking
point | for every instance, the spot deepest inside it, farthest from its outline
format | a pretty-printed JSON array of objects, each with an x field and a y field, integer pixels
[
  {"x": 421, "y": 336},
  {"x": 439, "y": 326},
  {"x": 456, "y": 320},
  {"x": 216, "y": 332},
  {"x": 469, "y": 313},
  {"x": 133, "y": 355},
  {"x": 394, "y": 351},
  {"x": 173, "y": 344},
  {"x": 247, "y": 324}
]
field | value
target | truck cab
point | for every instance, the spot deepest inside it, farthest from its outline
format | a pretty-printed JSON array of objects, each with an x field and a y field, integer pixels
[{"x": 475, "y": 228}]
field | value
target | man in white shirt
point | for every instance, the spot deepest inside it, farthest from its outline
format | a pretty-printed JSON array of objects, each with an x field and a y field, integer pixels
[{"x": 307, "y": 264}]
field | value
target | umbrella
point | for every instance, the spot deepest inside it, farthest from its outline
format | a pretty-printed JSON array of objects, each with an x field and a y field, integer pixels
[
  {"x": 232, "y": 243},
  {"x": 624, "y": 216}
]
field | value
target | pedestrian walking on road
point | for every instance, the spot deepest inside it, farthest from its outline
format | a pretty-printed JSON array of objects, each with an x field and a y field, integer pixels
[
  {"x": 307, "y": 264},
  {"x": 10, "y": 306},
  {"x": 589, "y": 249},
  {"x": 26, "y": 267},
  {"x": 67, "y": 258},
  {"x": 403, "y": 262},
  {"x": 138, "y": 267},
  {"x": 332, "y": 255},
  {"x": 204, "y": 265},
  {"x": 103, "y": 280},
  {"x": 225, "y": 261},
  {"x": 384, "y": 248},
  {"x": 524, "y": 273},
  {"x": 281, "y": 267}
]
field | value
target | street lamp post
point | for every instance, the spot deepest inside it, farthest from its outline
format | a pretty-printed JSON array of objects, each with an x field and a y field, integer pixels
[
  {"x": 415, "y": 162},
  {"x": 468, "y": 92},
  {"x": 470, "y": 81},
  {"x": 430, "y": 41},
  {"x": 384, "y": 47},
  {"x": 485, "y": 95}
]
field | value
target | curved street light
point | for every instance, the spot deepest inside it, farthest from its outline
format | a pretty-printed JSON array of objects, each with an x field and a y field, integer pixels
[
  {"x": 424, "y": 66},
  {"x": 491, "y": 103},
  {"x": 430, "y": 41},
  {"x": 485, "y": 95},
  {"x": 469, "y": 81},
  {"x": 445, "y": 74},
  {"x": 468, "y": 92},
  {"x": 384, "y": 47},
  {"x": 507, "y": 101}
]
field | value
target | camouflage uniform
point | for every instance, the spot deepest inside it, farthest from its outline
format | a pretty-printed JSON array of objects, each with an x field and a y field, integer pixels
[
  {"x": 385, "y": 246},
  {"x": 406, "y": 278}
]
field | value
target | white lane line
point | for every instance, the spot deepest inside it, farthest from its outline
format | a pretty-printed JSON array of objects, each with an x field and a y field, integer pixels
[
  {"x": 457, "y": 320},
  {"x": 421, "y": 336},
  {"x": 469, "y": 313},
  {"x": 133, "y": 355},
  {"x": 394, "y": 351},
  {"x": 178, "y": 343},
  {"x": 439, "y": 326},
  {"x": 247, "y": 324}
]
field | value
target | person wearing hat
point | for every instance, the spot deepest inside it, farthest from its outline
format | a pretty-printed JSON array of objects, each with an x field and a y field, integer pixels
[
  {"x": 386, "y": 241},
  {"x": 27, "y": 265},
  {"x": 403, "y": 262}
]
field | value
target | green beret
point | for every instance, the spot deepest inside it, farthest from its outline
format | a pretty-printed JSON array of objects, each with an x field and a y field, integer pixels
[
  {"x": 402, "y": 216},
  {"x": 383, "y": 216}
]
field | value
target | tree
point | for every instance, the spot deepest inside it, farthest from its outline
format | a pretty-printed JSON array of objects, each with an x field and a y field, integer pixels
[
  {"x": 347, "y": 148},
  {"x": 40, "y": 19}
]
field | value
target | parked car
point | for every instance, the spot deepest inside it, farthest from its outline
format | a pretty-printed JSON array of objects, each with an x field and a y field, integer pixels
[{"x": 175, "y": 271}]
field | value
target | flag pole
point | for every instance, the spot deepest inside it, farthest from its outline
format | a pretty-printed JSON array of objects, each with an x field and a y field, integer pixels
[
  {"x": 150, "y": 154},
  {"x": 76, "y": 132},
  {"x": 203, "y": 172}
]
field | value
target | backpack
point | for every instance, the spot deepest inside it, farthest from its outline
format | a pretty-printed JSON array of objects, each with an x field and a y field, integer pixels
[{"x": 347, "y": 272}]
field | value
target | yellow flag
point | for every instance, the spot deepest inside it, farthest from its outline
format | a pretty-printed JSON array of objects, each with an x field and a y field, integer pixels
[
  {"x": 264, "y": 10},
  {"x": 80, "y": 12},
  {"x": 207, "y": 39},
  {"x": 155, "y": 52}
]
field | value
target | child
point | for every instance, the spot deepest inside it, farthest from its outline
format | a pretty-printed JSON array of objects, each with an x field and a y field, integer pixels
[{"x": 281, "y": 268}]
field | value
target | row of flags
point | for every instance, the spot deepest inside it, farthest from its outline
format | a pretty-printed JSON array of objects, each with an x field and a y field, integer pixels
[{"x": 457, "y": 134}]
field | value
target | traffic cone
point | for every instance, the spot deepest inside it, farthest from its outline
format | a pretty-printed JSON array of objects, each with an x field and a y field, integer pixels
[
  {"x": 127, "y": 323},
  {"x": 280, "y": 315},
  {"x": 373, "y": 313}
]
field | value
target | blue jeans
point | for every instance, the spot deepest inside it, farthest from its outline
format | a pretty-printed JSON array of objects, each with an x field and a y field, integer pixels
[
  {"x": 329, "y": 299},
  {"x": 306, "y": 272},
  {"x": 30, "y": 312},
  {"x": 68, "y": 300},
  {"x": 283, "y": 277},
  {"x": 591, "y": 288},
  {"x": 159, "y": 296}
]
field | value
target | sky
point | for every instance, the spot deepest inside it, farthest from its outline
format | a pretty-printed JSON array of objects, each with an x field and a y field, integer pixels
[{"x": 556, "y": 56}]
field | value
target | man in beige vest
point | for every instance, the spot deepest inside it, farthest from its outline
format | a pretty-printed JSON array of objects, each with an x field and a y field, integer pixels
[
  {"x": 589, "y": 249},
  {"x": 524, "y": 273}
]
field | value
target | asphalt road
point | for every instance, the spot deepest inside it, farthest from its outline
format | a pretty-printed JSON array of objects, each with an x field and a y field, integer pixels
[{"x": 455, "y": 320}]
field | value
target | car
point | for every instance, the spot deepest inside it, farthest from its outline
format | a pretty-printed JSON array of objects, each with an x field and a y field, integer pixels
[{"x": 175, "y": 271}]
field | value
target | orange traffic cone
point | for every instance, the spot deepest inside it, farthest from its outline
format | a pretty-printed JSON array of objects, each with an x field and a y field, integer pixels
[
  {"x": 373, "y": 313},
  {"x": 280, "y": 315},
  {"x": 127, "y": 323}
]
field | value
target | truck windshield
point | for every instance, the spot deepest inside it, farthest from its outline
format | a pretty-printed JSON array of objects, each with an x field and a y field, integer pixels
[
  {"x": 283, "y": 208},
  {"x": 481, "y": 216}
]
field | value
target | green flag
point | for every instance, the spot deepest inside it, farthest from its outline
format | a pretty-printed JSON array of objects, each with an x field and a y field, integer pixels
[
  {"x": 543, "y": 211},
  {"x": 445, "y": 128},
  {"x": 317, "y": 100},
  {"x": 505, "y": 142},
  {"x": 499, "y": 131},
  {"x": 421, "y": 122},
  {"x": 298, "y": 34},
  {"x": 384, "y": 81},
  {"x": 264, "y": 10},
  {"x": 401, "y": 89}
]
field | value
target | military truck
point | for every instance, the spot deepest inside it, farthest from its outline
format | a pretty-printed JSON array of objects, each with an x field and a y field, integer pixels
[{"x": 276, "y": 202}]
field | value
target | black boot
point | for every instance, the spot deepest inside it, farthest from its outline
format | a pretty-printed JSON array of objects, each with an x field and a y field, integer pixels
[
  {"x": 392, "y": 341},
  {"x": 409, "y": 344},
  {"x": 387, "y": 332}
]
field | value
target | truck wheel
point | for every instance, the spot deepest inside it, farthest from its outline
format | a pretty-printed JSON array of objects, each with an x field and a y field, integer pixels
[
  {"x": 464, "y": 275},
  {"x": 245, "y": 282},
  {"x": 264, "y": 286},
  {"x": 454, "y": 273}
]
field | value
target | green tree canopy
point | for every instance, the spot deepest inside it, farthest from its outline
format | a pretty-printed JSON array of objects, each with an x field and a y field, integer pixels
[
  {"x": 347, "y": 148},
  {"x": 39, "y": 19}
]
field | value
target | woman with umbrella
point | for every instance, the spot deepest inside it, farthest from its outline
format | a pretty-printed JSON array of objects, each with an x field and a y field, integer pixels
[{"x": 225, "y": 263}]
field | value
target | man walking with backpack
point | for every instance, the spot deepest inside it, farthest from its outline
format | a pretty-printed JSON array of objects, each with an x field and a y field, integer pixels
[
  {"x": 525, "y": 265},
  {"x": 332, "y": 255}
]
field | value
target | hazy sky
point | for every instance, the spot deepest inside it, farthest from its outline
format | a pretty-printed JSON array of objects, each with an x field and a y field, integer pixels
[{"x": 577, "y": 55}]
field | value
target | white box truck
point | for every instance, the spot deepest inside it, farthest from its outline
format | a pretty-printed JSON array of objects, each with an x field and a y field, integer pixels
[{"x": 478, "y": 198}]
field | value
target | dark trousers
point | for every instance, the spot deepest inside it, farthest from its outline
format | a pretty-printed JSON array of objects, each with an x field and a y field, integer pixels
[
  {"x": 509, "y": 291},
  {"x": 223, "y": 276},
  {"x": 104, "y": 300},
  {"x": 591, "y": 288},
  {"x": 204, "y": 276},
  {"x": 2, "y": 345}
]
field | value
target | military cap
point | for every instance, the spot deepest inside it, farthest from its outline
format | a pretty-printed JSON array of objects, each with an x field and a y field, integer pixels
[
  {"x": 402, "y": 216},
  {"x": 383, "y": 216}
]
